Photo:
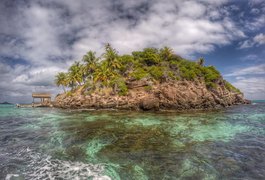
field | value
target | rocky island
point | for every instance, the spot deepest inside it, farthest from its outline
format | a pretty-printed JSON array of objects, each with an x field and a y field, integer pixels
[
  {"x": 151, "y": 79},
  {"x": 6, "y": 103}
]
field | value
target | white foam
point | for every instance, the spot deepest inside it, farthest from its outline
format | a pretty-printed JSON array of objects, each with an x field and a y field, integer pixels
[
  {"x": 45, "y": 167},
  {"x": 9, "y": 176}
]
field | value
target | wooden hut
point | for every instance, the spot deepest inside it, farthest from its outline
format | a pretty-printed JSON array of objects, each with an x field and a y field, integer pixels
[{"x": 45, "y": 99}]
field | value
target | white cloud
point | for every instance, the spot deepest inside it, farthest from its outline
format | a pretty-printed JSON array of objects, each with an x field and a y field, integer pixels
[
  {"x": 250, "y": 80},
  {"x": 192, "y": 9},
  {"x": 250, "y": 57},
  {"x": 246, "y": 44},
  {"x": 253, "y": 70},
  {"x": 253, "y": 58},
  {"x": 253, "y": 87},
  {"x": 255, "y": 11},
  {"x": 257, "y": 40},
  {"x": 18, "y": 82},
  {"x": 38, "y": 76},
  {"x": 182, "y": 25},
  {"x": 255, "y": 23},
  {"x": 255, "y": 2}
]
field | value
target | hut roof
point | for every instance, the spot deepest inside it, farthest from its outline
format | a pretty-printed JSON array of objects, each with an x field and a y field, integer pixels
[{"x": 41, "y": 95}]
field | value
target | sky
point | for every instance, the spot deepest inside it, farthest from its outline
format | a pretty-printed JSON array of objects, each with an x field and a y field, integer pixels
[{"x": 41, "y": 38}]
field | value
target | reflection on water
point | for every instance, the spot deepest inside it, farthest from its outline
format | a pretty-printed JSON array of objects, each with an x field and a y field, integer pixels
[{"x": 61, "y": 144}]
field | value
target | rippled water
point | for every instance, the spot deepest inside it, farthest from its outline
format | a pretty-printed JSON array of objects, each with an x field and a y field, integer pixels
[{"x": 61, "y": 144}]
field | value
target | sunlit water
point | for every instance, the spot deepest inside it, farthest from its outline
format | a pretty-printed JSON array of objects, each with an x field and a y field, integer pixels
[{"x": 45, "y": 143}]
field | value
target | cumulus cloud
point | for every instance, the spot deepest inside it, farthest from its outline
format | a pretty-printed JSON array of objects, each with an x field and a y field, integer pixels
[
  {"x": 71, "y": 28},
  {"x": 18, "y": 82},
  {"x": 38, "y": 77}
]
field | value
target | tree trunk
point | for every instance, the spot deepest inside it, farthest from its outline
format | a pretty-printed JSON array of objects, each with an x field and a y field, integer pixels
[{"x": 115, "y": 88}]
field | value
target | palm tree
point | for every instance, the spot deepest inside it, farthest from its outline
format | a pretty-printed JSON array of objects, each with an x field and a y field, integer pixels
[
  {"x": 76, "y": 73},
  {"x": 201, "y": 61},
  {"x": 104, "y": 74},
  {"x": 166, "y": 53},
  {"x": 111, "y": 57},
  {"x": 90, "y": 60},
  {"x": 61, "y": 79}
]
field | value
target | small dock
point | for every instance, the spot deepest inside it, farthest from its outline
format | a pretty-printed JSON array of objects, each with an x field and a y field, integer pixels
[{"x": 45, "y": 101}]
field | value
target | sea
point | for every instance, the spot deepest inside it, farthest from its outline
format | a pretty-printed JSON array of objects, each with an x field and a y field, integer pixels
[{"x": 50, "y": 143}]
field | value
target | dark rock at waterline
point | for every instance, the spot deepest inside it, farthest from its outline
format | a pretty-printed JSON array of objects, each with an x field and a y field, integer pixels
[
  {"x": 149, "y": 103},
  {"x": 169, "y": 95},
  {"x": 6, "y": 103}
]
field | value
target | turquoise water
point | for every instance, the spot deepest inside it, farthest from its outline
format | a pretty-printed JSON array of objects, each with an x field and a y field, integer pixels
[{"x": 45, "y": 143}]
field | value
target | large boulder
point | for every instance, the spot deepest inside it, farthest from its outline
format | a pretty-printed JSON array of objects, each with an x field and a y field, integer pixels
[{"x": 149, "y": 103}]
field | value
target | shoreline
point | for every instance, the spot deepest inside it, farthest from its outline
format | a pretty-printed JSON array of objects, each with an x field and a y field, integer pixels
[
  {"x": 151, "y": 111},
  {"x": 69, "y": 109}
]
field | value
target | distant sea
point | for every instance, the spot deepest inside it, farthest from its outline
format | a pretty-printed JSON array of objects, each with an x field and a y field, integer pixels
[
  {"x": 258, "y": 101},
  {"x": 44, "y": 143}
]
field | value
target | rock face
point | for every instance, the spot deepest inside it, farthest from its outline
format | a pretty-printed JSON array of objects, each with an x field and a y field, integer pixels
[{"x": 174, "y": 95}]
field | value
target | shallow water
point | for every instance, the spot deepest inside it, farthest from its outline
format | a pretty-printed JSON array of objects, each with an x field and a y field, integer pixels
[{"x": 61, "y": 144}]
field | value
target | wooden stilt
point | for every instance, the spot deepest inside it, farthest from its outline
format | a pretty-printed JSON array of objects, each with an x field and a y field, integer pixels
[{"x": 45, "y": 99}]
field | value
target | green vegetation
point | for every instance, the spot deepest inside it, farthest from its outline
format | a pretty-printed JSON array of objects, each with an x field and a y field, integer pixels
[
  {"x": 139, "y": 73},
  {"x": 148, "y": 88},
  {"x": 62, "y": 80},
  {"x": 112, "y": 71},
  {"x": 211, "y": 76},
  {"x": 156, "y": 72},
  {"x": 230, "y": 87}
]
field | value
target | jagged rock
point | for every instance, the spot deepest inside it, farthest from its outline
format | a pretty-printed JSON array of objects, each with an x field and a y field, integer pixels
[
  {"x": 149, "y": 103},
  {"x": 173, "y": 95},
  {"x": 136, "y": 84}
]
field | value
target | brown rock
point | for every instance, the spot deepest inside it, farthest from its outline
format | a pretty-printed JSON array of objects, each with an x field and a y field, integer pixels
[
  {"x": 179, "y": 95},
  {"x": 149, "y": 103},
  {"x": 137, "y": 83},
  {"x": 169, "y": 92}
]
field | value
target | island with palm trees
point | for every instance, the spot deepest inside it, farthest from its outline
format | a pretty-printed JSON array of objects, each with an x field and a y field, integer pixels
[{"x": 151, "y": 79}]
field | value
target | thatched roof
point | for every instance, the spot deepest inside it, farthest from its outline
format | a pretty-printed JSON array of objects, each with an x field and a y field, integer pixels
[{"x": 41, "y": 95}]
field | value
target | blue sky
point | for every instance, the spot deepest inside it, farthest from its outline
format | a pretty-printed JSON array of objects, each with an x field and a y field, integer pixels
[{"x": 39, "y": 38}]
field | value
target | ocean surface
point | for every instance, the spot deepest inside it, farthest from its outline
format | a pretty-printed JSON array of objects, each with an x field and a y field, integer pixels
[{"x": 44, "y": 143}]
